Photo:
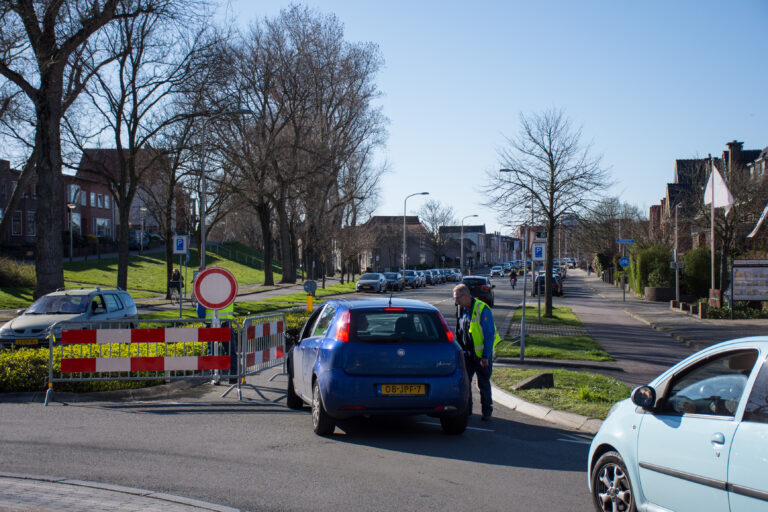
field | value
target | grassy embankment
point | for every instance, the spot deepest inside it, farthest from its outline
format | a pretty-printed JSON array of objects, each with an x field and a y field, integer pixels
[
  {"x": 581, "y": 347},
  {"x": 146, "y": 276}
]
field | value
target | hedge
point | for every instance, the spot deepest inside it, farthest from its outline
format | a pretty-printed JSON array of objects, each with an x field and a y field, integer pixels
[
  {"x": 697, "y": 270},
  {"x": 651, "y": 260}
]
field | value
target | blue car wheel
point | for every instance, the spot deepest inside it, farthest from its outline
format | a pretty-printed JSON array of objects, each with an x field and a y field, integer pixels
[{"x": 322, "y": 423}]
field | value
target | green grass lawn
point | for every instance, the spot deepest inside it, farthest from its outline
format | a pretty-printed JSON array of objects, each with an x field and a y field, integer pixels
[
  {"x": 561, "y": 315},
  {"x": 146, "y": 276},
  {"x": 248, "y": 308},
  {"x": 581, "y": 348},
  {"x": 588, "y": 394}
]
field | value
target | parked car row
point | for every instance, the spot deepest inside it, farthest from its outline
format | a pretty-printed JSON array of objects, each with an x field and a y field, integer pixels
[{"x": 380, "y": 282}]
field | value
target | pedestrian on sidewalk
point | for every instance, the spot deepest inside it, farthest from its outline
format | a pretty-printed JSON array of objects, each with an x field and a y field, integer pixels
[
  {"x": 513, "y": 278},
  {"x": 477, "y": 334}
]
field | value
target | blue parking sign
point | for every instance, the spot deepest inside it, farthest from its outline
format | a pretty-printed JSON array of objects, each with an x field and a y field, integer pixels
[{"x": 180, "y": 244}]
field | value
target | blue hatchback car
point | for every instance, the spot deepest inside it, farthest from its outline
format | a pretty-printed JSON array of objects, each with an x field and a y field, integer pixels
[
  {"x": 378, "y": 356},
  {"x": 694, "y": 439}
]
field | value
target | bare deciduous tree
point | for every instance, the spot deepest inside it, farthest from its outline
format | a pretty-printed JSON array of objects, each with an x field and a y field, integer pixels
[
  {"x": 39, "y": 42},
  {"x": 547, "y": 162},
  {"x": 433, "y": 215}
]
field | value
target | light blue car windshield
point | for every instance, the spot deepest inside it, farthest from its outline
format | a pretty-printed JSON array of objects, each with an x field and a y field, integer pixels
[{"x": 59, "y": 304}]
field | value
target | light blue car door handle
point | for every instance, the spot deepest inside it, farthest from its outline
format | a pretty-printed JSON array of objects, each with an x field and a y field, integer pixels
[{"x": 718, "y": 438}]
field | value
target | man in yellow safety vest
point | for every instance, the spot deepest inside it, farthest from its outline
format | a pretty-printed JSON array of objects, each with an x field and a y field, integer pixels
[{"x": 477, "y": 334}]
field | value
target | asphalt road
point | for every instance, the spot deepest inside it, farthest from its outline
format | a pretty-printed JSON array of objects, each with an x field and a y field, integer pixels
[{"x": 258, "y": 455}]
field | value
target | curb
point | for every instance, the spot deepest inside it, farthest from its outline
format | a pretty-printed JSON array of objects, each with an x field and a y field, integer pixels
[
  {"x": 144, "y": 493},
  {"x": 161, "y": 391},
  {"x": 566, "y": 419}
]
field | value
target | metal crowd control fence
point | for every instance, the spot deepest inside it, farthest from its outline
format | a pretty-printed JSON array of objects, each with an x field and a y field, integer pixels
[
  {"x": 261, "y": 346},
  {"x": 140, "y": 350}
]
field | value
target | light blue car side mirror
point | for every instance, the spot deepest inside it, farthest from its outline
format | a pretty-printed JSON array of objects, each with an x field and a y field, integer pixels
[{"x": 645, "y": 397}]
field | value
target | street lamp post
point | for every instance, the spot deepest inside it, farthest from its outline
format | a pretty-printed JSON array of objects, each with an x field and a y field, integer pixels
[
  {"x": 404, "y": 203},
  {"x": 461, "y": 241},
  {"x": 677, "y": 269},
  {"x": 208, "y": 119},
  {"x": 71, "y": 207}
]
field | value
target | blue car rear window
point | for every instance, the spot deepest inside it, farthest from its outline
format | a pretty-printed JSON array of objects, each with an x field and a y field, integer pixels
[{"x": 383, "y": 326}]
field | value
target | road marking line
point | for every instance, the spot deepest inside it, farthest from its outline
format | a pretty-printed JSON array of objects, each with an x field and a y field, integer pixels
[{"x": 469, "y": 428}]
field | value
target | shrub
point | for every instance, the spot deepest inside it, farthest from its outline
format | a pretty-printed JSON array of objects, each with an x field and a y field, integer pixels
[
  {"x": 656, "y": 279},
  {"x": 16, "y": 275},
  {"x": 696, "y": 271},
  {"x": 649, "y": 260}
]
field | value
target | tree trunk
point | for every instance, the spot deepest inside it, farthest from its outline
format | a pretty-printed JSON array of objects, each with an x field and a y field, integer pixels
[
  {"x": 548, "y": 266},
  {"x": 289, "y": 269},
  {"x": 49, "y": 218},
  {"x": 263, "y": 211},
  {"x": 168, "y": 221},
  {"x": 123, "y": 251}
]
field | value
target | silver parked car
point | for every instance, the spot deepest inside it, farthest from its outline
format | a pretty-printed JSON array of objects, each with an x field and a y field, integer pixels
[
  {"x": 372, "y": 282},
  {"x": 35, "y": 323}
]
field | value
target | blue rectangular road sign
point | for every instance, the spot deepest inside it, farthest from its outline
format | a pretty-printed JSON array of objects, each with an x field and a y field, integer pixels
[
  {"x": 625, "y": 240},
  {"x": 180, "y": 244}
]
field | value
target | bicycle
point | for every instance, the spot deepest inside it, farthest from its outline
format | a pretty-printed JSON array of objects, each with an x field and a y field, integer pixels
[{"x": 175, "y": 290}]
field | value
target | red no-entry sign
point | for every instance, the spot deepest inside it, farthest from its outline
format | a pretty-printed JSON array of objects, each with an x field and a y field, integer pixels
[{"x": 215, "y": 288}]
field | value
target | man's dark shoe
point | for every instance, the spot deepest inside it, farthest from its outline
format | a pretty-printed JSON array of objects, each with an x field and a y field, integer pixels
[{"x": 486, "y": 417}]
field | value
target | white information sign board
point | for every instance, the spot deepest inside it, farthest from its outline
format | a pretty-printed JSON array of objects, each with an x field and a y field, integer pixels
[{"x": 750, "y": 280}]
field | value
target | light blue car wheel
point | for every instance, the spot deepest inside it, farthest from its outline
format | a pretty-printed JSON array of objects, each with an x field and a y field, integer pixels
[{"x": 611, "y": 486}]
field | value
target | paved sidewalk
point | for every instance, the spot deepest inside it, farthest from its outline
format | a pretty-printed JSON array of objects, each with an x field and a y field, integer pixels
[
  {"x": 691, "y": 330},
  {"x": 43, "y": 493}
]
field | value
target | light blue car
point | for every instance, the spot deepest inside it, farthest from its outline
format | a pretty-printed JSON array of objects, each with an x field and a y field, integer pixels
[{"x": 695, "y": 439}]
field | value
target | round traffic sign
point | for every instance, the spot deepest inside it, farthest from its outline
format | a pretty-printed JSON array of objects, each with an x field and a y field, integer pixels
[
  {"x": 624, "y": 262},
  {"x": 310, "y": 286},
  {"x": 215, "y": 288}
]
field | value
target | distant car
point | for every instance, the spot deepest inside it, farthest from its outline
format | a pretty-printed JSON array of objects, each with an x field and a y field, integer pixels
[
  {"x": 539, "y": 286},
  {"x": 372, "y": 282},
  {"x": 133, "y": 239},
  {"x": 378, "y": 357},
  {"x": 395, "y": 281},
  {"x": 422, "y": 278},
  {"x": 35, "y": 323},
  {"x": 497, "y": 271},
  {"x": 412, "y": 279},
  {"x": 480, "y": 287},
  {"x": 430, "y": 277},
  {"x": 692, "y": 439}
]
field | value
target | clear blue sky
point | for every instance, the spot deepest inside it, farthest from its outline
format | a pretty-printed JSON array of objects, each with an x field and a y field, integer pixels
[{"x": 649, "y": 82}]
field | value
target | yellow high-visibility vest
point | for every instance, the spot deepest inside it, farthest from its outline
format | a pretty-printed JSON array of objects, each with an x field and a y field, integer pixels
[
  {"x": 228, "y": 313},
  {"x": 476, "y": 330}
]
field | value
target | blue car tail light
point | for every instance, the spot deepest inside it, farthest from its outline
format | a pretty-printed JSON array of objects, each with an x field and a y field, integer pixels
[
  {"x": 342, "y": 327},
  {"x": 448, "y": 331}
]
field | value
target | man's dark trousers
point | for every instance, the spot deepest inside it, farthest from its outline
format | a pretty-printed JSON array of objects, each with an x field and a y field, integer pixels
[{"x": 483, "y": 382}]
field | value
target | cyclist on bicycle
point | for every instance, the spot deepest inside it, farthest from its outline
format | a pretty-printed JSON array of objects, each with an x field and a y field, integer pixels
[{"x": 177, "y": 282}]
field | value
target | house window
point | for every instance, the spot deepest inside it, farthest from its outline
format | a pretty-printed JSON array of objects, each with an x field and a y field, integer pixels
[
  {"x": 106, "y": 200},
  {"x": 13, "y": 187},
  {"x": 101, "y": 227},
  {"x": 16, "y": 224},
  {"x": 1, "y": 214},
  {"x": 83, "y": 198},
  {"x": 74, "y": 190},
  {"x": 93, "y": 199},
  {"x": 2, "y": 190},
  {"x": 31, "y": 223},
  {"x": 75, "y": 223},
  {"x": 100, "y": 198}
]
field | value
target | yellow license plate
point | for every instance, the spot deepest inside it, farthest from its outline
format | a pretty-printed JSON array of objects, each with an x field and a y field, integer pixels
[
  {"x": 26, "y": 342},
  {"x": 403, "y": 389}
]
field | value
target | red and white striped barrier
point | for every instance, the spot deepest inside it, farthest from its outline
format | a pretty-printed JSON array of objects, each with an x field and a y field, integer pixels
[
  {"x": 143, "y": 364},
  {"x": 166, "y": 335},
  {"x": 263, "y": 345}
]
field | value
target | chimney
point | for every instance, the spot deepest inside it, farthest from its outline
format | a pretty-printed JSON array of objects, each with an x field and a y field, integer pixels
[{"x": 734, "y": 154}]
